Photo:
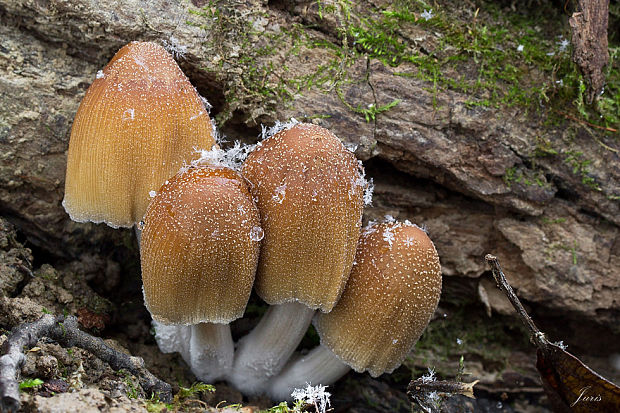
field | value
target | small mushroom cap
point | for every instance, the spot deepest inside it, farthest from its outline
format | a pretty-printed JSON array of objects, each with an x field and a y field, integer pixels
[
  {"x": 389, "y": 299},
  {"x": 138, "y": 122},
  {"x": 309, "y": 191},
  {"x": 199, "y": 247}
]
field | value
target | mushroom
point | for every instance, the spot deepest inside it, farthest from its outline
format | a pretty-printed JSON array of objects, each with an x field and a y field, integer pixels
[
  {"x": 199, "y": 252},
  {"x": 309, "y": 190},
  {"x": 389, "y": 299},
  {"x": 137, "y": 124}
]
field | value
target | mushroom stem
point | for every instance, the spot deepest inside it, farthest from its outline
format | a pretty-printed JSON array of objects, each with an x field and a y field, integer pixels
[
  {"x": 319, "y": 366},
  {"x": 173, "y": 338},
  {"x": 211, "y": 351},
  {"x": 265, "y": 350}
]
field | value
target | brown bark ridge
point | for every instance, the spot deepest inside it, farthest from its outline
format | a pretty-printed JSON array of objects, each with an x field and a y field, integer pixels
[
  {"x": 589, "y": 27},
  {"x": 436, "y": 160}
]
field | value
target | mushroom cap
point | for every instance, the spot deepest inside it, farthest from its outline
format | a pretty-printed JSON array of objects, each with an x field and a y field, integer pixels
[
  {"x": 389, "y": 299},
  {"x": 309, "y": 191},
  {"x": 139, "y": 121},
  {"x": 199, "y": 248}
]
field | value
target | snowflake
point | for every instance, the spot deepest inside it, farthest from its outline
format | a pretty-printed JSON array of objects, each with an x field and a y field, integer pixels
[
  {"x": 409, "y": 242},
  {"x": 430, "y": 377},
  {"x": 427, "y": 15},
  {"x": 563, "y": 44},
  {"x": 388, "y": 236}
]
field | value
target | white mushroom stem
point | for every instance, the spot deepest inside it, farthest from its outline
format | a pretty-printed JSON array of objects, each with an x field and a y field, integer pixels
[
  {"x": 173, "y": 339},
  {"x": 211, "y": 351},
  {"x": 265, "y": 350},
  {"x": 319, "y": 366},
  {"x": 207, "y": 348}
]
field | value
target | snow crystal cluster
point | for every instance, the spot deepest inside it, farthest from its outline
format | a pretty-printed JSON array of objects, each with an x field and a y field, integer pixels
[
  {"x": 277, "y": 127},
  {"x": 429, "y": 377},
  {"x": 388, "y": 232},
  {"x": 232, "y": 157},
  {"x": 367, "y": 184},
  {"x": 176, "y": 49},
  {"x": 313, "y": 395}
]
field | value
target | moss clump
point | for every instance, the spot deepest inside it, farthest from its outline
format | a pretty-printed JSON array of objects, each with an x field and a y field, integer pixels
[{"x": 468, "y": 332}]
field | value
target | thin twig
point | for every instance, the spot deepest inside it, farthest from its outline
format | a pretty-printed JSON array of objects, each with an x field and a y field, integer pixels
[
  {"x": 66, "y": 332},
  {"x": 536, "y": 336},
  {"x": 25, "y": 335},
  {"x": 585, "y": 122}
]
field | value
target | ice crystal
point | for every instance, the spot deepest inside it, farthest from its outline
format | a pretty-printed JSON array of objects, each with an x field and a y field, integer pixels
[
  {"x": 277, "y": 127},
  {"x": 429, "y": 377},
  {"x": 388, "y": 236},
  {"x": 561, "y": 345},
  {"x": 352, "y": 147},
  {"x": 208, "y": 106},
  {"x": 232, "y": 157},
  {"x": 368, "y": 185},
  {"x": 427, "y": 14},
  {"x": 313, "y": 395},
  {"x": 176, "y": 49}
]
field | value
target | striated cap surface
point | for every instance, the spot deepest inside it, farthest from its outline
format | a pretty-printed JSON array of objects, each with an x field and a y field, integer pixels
[
  {"x": 139, "y": 121},
  {"x": 309, "y": 190},
  {"x": 389, "y": 299},
  {"x": 199, "y": 248}
]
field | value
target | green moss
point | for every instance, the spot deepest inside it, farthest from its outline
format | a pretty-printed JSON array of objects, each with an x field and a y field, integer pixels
[
  {"x": 495, "y": 56},
  {"x": 29, "y": 384},
  {"x": 470, "y": 333},
  {"x": 524, "y": 176},
  {"x": 581, "y": 167}
]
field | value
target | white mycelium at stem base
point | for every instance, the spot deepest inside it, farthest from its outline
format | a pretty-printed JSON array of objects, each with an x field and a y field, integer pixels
[
  {"x": 309, "y": 190},
  {"x": 390, "y": 297},
  {"x": 199, "y": 252}
]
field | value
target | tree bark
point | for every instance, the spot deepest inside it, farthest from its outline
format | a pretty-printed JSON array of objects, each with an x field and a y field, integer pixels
[
  {"x": 589, "y": 26},
  {"x": 436, "y": 160}
]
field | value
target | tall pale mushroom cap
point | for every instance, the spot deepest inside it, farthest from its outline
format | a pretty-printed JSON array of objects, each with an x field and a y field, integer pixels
[
  {"x": 137, "y": 124},
  {"x": 390, "y": 297},
  {"x": 309, "y": 190},
  {"x": 199, "y": 248}
]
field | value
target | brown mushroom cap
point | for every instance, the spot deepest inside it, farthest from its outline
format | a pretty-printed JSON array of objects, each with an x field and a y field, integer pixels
[
  {"x": 137, "y": 124},
  {"x": 309, "y": 191},
  {"x": 390, "y": 297},
  {"x": 199, "y": 248}
]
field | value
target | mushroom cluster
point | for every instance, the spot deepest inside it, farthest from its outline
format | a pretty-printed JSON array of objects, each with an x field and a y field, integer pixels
[{"x": 285, "y": 218}]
